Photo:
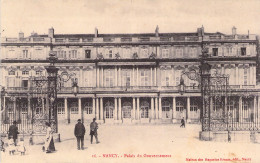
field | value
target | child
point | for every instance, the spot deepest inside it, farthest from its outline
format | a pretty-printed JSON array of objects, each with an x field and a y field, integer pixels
[
  {"x": 2, "y": 146},
  {"x": 21, "y": 147},
  {"x": 11, "y": 147}
]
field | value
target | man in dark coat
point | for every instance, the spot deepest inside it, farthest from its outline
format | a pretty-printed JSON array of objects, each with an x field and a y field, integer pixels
[
  {"x": 13, "y": 132},
  {"x": 93, "y": 130},
  {"x": 182, "y": 123},
  {"x": 79, "y": 132}
]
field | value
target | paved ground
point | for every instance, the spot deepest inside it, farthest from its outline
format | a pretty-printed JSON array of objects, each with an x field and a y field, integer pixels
[{"x": 180, "y": 143}]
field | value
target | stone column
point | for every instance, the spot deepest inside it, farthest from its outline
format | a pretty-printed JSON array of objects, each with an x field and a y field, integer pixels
[
  {"x": 225, "y": 108},
  {"x": 155, "y": 77},
  {"x": 173, "y": 109},
  {"x": 119, "y": 76},
  {"x": 15, "y": 111},
  {"x": 97, "y": 77},
  {"x": 160, "y": 108},
  {"x": 102, "y": 77},
  {"x": 188, "y": 110},
  {"x": 80, "y": 109},
  {"x": 133, "y": 79},
  {"x": 81, "y": 78},
  {"x": 152, "y": 108},
  {"x": 133, "y": 108},
  {"x": 97, "y": 109},
  {"x": 43, "y": 106},
  {"x": 101, "y": 109},
  {"x": 119, "y": 109},
  {"x": 29, "y": 108},
  {"x": 258, "y": 107},
  {"x": 137, "y": 77},
  {"x": 115, "y": 76},
  {"x": 115, "y": 116},
  {"x": 255, "y": 109},
  {"x": 237, "y": 76},
  {"x": 66, "y": 109},
  {"x": 151, "y": 80},
  {"x": 94, "y": 106},
  {"x": 156, "y": 108},
  {"x": 240, "y": 109},
  {"x": 137, "y": 107}
]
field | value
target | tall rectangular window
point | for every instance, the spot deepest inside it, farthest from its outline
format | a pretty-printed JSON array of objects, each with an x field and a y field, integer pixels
[
  {"x": 144, "y": 53},
  {"x": 109, "y": 78},
  {"x": 25, "y": 83},
  {"x": 243, "y": 51},
  {"x": 25, "y": 72},
  {"x": 144, "y": 78},
  {"x": 165, "y": 53},
  {"x": 126, "y": 77},
  {"x": 25, "y": 54},
  {"x": 87, "y": 53},
  {"x": 73, "y": 54},
  {"x": 215, "y": 51},
  {"x": 179, "y": 52},
  {"x": 110, "y": 55},
  {"x": 245, "y": 76}
]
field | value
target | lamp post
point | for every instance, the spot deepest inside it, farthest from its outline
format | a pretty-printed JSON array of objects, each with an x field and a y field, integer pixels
[
  {"x": 3, "y": 94},
  {"x": 52, "y": 71},
  {"x": 205, "y": 89},
  {"x": 181, "y": 86},
  {"x": 75, "y": 87}
]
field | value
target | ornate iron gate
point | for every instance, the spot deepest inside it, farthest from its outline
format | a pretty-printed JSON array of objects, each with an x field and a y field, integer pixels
[{"x": 214, "y": 93}]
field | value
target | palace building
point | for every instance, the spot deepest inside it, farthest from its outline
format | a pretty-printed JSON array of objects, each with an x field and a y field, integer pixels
[{"x": 127, "y": 78}]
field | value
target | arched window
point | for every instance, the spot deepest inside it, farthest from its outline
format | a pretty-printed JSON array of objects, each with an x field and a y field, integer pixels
[
  {"x": 193, "y": 106},
  {"x": 166, "y": 106},
  {"x": 109, "y": 107},
  {"x": 60, "y": 108},
  {"x": 24, "y": 108},
  {"x": 166, "y": 109},
  {"x": 230, "y": 105},
  {"x": 245, "y": 104},
  {"x": 179, "y": 106},
  {"x": 88, "y": 108},
  {"x": 144, "y": 109},
  {"x": 127, "y": 110},
  {"x": 38, "y": 109},
  {"x": 74, "y": 108}
]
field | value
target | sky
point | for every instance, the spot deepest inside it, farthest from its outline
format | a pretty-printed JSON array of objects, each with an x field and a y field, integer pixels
[{"x": 128, "y": 16}]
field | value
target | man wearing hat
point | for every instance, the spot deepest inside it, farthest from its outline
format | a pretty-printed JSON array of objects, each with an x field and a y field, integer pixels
[
  {"x": 93, "y": 130},
  {"x": 79, "y": 132},
  {"x": 13, "y": 132}
]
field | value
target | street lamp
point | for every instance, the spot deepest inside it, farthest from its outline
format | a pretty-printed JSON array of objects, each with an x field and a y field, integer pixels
[
  {"x": 52, "y": 71},
  {"x": 75, "y": 87},
  {"x": 181, "y": 86}
]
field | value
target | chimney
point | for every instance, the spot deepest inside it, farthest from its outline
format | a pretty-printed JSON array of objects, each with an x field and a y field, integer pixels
[
  {"x": 51, "y": 32},
  {"x": 96, "y": 32},
  {"x": 21, "y": 35},
  {"x": 234, "y": 31},
  {"x": 200, "y": 31},
  {"x": 157, "y": 31}
]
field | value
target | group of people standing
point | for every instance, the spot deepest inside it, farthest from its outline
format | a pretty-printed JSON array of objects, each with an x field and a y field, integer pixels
[
  {"x": 79, "y": 132},
  {"x": 48, "y": 147}
]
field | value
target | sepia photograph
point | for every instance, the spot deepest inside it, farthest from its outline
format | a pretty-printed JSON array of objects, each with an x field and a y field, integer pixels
[{"x": 129, "y": 81}]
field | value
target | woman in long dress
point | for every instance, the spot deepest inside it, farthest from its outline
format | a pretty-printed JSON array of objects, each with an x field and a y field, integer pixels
[{"x": 49, "y": 143}]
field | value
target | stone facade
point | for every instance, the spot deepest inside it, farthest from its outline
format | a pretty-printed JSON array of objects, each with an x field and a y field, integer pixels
[{"x": 128, "y": 78}]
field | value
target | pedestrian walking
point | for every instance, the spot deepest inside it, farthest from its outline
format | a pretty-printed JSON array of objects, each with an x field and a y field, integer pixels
[
  {"x": 182, "y": 123},
  {"x": 49, "y": 143},
  {"x": 13, "y": 132},
  {"x": 93, "y": 130},
  {"x": 21, "y": 146},
  {"x": 79, "y": 132}
]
